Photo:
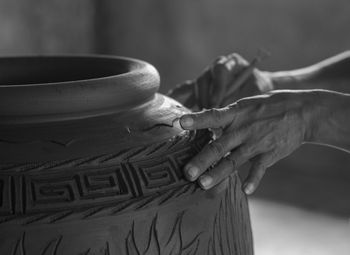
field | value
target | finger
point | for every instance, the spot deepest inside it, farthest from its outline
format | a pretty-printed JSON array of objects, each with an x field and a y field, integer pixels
[
  {"x": 221, "y": 76},
  {"x": 217, "y": 133},
  {"x": 203, "y": 86},
  {"x": 190, "y": 102},
  {"x": 213, "y": 118},
  {"x": 240, "y": 64},
  {"x": 256, "y": 172},
  {"x": 181, "y": 91},
  {"x": 210, "y": 154},
  {"x": 242, "y": 154},
  {"x": 220, "y": 172}
]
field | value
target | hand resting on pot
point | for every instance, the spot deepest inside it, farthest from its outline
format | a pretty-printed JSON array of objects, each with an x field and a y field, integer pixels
[{"x": 266, "y": 128}]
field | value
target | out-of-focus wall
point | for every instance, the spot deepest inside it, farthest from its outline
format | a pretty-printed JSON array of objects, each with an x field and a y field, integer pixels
[
  {"x": 46, "y": 26},
  {"x": 181, "y": 37}
]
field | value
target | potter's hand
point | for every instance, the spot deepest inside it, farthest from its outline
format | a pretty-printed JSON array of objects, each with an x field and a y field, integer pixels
[
  {"x": 211, "y": 88},
  {"x": 261, "y": 129}
]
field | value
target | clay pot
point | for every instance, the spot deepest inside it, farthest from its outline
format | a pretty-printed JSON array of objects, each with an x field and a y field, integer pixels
[{"x": 91, "y": 163}]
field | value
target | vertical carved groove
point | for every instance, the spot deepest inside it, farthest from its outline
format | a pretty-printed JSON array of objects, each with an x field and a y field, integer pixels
[{"x": 19, "y": 247}]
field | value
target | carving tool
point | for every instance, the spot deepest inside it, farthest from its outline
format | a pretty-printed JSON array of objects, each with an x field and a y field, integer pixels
[{"x": 246, "y": 73}]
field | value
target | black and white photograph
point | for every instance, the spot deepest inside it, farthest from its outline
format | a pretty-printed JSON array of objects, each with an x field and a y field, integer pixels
[{"x": 159, "y": 127}]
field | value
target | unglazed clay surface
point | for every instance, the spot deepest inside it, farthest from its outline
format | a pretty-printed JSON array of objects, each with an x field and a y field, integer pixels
[{"x": 84, "y": 175}]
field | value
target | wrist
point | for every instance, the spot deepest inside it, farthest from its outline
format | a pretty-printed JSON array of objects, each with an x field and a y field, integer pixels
[
  {"x": 322, "y": 105},
  {"x": 264, "y": 81},
  {"x": 284, "y": 80}
]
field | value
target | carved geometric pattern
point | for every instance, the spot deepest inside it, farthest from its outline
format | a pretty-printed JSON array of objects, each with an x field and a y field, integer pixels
[
  {"x": 67, "y": 190},
  {"x": 229, "y": 232},
  {"x": 98, "y": 185},
  {"x": 5, "y": 195},
  {"x": 103, "y": 183},
  {"x": 154, "y": 176}
]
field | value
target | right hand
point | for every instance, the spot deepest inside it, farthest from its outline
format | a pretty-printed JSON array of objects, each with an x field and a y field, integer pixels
[
  {"x": 260, "y": 129},
  {"x": 215, "y": 82}
]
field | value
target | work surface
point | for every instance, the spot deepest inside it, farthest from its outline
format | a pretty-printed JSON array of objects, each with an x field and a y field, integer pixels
[
  {"x": 286, "y": 230},
  {"x": 303, "y": 205}
]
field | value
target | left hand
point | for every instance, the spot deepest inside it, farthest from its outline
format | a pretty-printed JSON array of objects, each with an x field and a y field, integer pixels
[
  {"x": 260, "y": 129},
  {"x": 211, "y": 88}
]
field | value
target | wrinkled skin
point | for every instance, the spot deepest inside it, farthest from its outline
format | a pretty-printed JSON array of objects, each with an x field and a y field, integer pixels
[
  {"x": 264, "y": 129},
  {"x": 212, "y": 86},
  {"x": 277, "y": 125}
]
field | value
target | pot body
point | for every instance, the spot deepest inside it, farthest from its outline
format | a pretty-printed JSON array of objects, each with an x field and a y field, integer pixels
[{"x": 91, "y": 163}]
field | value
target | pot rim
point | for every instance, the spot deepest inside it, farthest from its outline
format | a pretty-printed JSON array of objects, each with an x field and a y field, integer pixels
[
  {"x": 136, "y": 64},
  {"x": 135, "y": 85}
]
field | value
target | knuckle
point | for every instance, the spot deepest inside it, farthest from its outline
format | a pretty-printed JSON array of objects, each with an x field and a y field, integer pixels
[
  {"x": 261, "y": 169},
  {"x": 267, "y": 143},
  {"x": 235, "y": 55},
  {"x": 259, "y": 165},
  {"x": 242, "y": 152},
  {"x": 200, "y": 163},
  {"x": 273, "y": 155},
  {"x": 220, "y": 67},
  {"x": 247, "y": 150},
  {"x": 217, "y": 149},
  {"x": 259, "y": 161},
  {"x": 216, "y": 114},
  {"x": 219, "y": 59},
  {"x": 239, "y": 59},
  {"x": 188, "y": 83},
  {"x": 230, "y": 164},
  {"x": 260, "y": 174},
  {"x": 236, "y": 136}
]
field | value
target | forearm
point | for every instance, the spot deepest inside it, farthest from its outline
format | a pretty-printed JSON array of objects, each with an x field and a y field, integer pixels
[
  {"x": 330, "y": 74},
  {"x": 330, "y": 120}
]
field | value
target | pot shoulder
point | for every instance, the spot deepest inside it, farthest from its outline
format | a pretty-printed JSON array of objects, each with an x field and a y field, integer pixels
[{"x": 150, "y": 123}]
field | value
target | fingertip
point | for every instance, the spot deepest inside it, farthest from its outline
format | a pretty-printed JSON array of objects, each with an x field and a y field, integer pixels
[
  {"x": 220, "y": 59},
  {"x": 186, "y": 122},
  {"x": 191, "y": 172},
  {"x": 205, "y": 181},
  {"x": 249, "y": 188},
  {"x": 231, "y": 63}
]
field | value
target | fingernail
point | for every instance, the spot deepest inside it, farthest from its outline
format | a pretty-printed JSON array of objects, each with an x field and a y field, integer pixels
[
  {"x": 205, "y": 181},
  {"x": 192, "y": 171},
  {"x": 186, "y": 122},
  {"x": 249, "y": 189},
  {"x": 176, "y": 123}
]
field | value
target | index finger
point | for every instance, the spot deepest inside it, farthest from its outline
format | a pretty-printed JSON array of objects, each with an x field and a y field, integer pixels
[{"x": 213, "y": 118}]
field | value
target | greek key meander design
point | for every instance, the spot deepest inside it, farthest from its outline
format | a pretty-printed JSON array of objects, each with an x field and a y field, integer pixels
[
  {"x": 230, "y": 234},
  {"x": 107, "y": 184}
]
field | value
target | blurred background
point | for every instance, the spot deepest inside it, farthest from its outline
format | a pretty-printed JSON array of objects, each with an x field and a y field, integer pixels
[{"x": 303, "y": 204}]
